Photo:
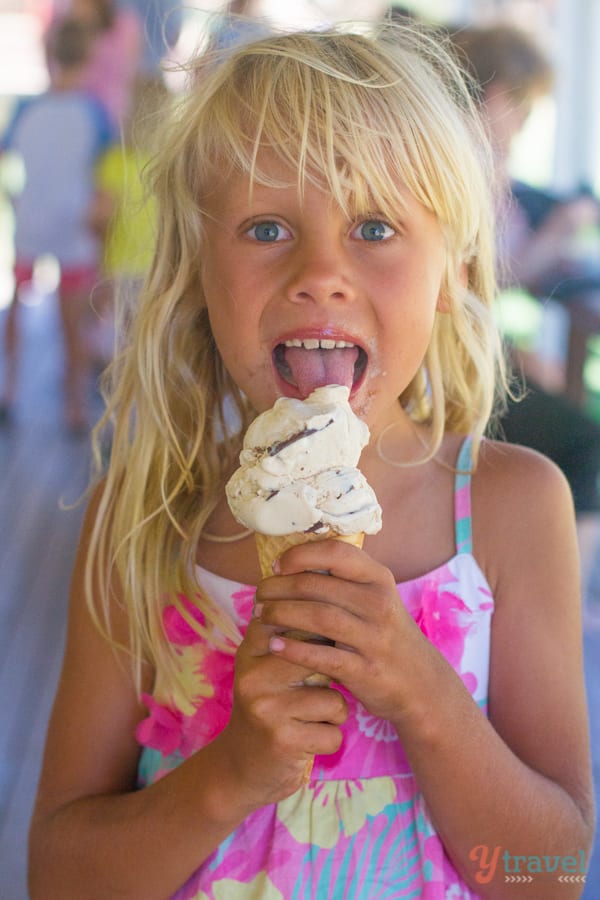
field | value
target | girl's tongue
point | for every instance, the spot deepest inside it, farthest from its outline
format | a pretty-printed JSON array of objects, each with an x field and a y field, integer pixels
[{"x": 310, "y": 369}]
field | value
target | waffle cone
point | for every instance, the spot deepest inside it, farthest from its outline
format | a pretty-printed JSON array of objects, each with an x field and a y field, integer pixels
[{"x": 269, "y": 548}]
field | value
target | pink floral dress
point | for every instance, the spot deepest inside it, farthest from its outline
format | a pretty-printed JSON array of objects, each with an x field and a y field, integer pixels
[{"x": 360, "y": 828}]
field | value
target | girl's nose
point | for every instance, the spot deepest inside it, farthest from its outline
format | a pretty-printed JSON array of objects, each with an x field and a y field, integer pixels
[{"x": 321, "y": 275}]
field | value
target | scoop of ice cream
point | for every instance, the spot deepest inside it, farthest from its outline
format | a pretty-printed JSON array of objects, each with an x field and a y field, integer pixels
[
  {"x": 298, "y": 438},
  {"x": 298, "y": 469}
]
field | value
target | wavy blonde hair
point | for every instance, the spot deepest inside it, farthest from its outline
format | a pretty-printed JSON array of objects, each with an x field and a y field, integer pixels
[{"x": 362, "y": 116}]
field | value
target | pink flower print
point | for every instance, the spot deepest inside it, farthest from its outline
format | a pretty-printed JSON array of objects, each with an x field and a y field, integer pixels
[
  {"x": 336, "y": 808},
  {"x": 445, "y": 620},
  {"x": 469, "y": 680},
  {"x": 162, "y": 729},
  {"x": 249, "y": 853},
  {"x": 373, "y": 727},
  {"x": 212, "y": 713},
  {"x": 169, "y": 730},
  {"x": 243, "y": 601},
  {"x": 208, "y": 721},
  {"x": 370, "y": 747},
  {"x": 217, "y": 669},
  {"x": 179, "y": 631}
]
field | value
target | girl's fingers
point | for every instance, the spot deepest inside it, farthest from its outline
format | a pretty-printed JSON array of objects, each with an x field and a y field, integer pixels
[
  {"x": 320, "y": 704},
  {"x": 333, "y": 557},
  {"x": 301, "y": 703},
  {"x": 323, "y": 618},
  {"x": 339, "y": 664},
  {"x": 319, "y": 603},
  {"x": 352, "y": 581},
  {"x": 261, "y": 672},
  {"x": 358, "y": 613},
  {"x": 321, "y": 738}
]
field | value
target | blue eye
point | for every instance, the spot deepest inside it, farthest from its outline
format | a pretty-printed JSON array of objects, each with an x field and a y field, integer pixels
[
  {"x": 267, "y": 232},
  {"x": 375, "y": 230}
]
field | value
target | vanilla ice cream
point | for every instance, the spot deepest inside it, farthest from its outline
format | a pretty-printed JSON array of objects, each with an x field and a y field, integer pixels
[{"x": 298, "y": 469}]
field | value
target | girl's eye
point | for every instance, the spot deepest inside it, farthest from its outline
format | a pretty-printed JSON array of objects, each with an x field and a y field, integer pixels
[
  {"x": 374, "y": 230},
  {"x": 268, "y": 232}
]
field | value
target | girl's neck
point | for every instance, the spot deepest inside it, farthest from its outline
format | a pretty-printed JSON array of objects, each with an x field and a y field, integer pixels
[{"x": 398, "y": 442}]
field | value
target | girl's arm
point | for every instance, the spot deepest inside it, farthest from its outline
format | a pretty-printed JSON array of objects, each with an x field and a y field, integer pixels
[
  {"x": 92, "y": 833},
  {"x": 521, "y": 780}
]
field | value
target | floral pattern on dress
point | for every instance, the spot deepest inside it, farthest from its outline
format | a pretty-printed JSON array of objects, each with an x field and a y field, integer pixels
[
  {"x": 361, "y": 827},
  {"x": 373, "y": 727},
  {"x": 260, "y": 888},
  {"x": 208, "y": 671},
  {"x": 444, "y": 619},
  {"x": 324, "y": 811},
  {"x": 177, "y": 629}
]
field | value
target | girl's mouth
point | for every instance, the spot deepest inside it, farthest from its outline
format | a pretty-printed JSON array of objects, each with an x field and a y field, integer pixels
[{"x": 309, "y": 363}]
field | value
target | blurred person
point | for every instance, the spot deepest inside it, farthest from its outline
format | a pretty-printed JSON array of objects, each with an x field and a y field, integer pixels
[
  {"x": 511, "y": 73},
  {"x": 161, "y": 22},
  {"x": 116, "y": 53},
  {"x": 59, "y": 136},
  {"x": 535, "y": 235},
  {"x": 238, "y": 23},
  {"x": 124, "y": 215}
]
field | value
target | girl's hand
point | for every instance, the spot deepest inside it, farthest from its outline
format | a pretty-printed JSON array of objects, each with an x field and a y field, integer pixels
[
  {"x": 380, "y": 652},
  {"x": 277, "y": 723}
]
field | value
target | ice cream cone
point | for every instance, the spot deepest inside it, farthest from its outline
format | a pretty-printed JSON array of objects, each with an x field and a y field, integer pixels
[
  {"x": 269, "y": 548},
  {"x": 298, "y": 472}
]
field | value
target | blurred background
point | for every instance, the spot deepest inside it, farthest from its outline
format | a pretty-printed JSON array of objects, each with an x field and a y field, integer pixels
[
  {"x": 56, "y": 322},
  {"x": 557, "y": 150}
]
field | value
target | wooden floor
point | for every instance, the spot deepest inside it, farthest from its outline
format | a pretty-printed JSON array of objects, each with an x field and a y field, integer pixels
[{"x": 39, "y": 466}]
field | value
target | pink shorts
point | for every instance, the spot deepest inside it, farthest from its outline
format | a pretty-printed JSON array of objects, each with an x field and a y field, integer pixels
[{"x": 75, "y": 280}]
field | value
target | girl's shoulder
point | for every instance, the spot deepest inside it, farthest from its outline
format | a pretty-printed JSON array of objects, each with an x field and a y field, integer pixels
[
  {"x": 513, "y": 474},
  {"x": 522, "y": 511}
]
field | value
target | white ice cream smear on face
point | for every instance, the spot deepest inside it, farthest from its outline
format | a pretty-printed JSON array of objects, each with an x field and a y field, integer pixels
[{"x": 298, "y": 469}]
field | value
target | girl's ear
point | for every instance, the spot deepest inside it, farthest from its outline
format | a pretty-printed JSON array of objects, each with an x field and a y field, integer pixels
[{"x": 444, "y": 303}]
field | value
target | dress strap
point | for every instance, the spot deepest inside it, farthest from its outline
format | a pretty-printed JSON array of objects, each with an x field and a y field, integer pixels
[{"x": 462, "y": 498}]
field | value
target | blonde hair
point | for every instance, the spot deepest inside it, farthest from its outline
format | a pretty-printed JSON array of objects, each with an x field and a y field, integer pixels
[{"x": 362, "y": 116}]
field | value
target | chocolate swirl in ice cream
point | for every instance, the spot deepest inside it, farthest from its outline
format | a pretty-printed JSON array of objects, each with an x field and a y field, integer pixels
[{"x": 298, "y": 469}]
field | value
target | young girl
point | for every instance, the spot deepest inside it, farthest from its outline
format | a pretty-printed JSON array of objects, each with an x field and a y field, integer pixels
[{"x": 319, "y": 187}]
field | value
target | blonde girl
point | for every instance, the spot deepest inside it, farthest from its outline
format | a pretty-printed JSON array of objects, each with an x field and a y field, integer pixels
[{"x": 319, "y": 189}]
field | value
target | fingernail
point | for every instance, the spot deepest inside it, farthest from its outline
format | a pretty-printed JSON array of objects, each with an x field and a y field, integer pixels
[
  {"x": 276, "y": 566},
  {"x": 257, "y": 612},
  {"x": 276, "y": 643}
]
